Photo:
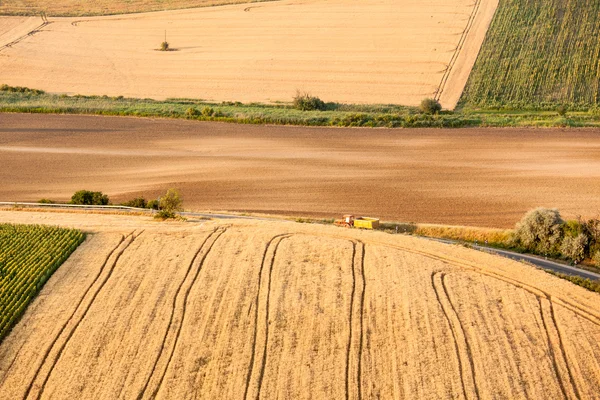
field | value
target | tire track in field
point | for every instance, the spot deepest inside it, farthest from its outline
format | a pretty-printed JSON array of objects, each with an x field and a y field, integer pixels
[
  {"x": 466, "y": 365},
  {"x": 563, "y": 353},
  {"x": 44, "y": 23},
  {"x": 352, "y": 300},
  {"x": 358, "y": 269},
  {"x": 132, "y": 237},
  {"x": 173, "y": 309},
  {"x": 185, "y": 300},
  {"x": 273, "y": 243},
  {"x": 459, "y": 47},
  {"x": 585, "y": 314},
  {"x": 64, "y": 326},
  {"x": 553, "y": 355}
]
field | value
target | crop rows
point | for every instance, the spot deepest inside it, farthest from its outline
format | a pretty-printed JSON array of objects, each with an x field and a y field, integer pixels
[
  {"x": 29, "y": 254},
  {"x": 543, "y": 52}
]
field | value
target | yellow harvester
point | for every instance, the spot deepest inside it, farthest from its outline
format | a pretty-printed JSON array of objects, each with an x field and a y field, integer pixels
[{"x": 350, "y": 221}]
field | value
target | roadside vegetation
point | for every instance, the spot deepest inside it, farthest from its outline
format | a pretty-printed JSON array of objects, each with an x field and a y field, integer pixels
[
  {"x": 78, "y": 8},
  {"x": 332, "y": 114},
  {"x": 539, "y": 55},
  {"x": 29, "y": 255}
]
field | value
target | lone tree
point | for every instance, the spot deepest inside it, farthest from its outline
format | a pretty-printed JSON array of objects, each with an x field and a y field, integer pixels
[
  {"x": 430, "y": 106},
  {"x": 164, "y": 46},
  {"x": 170, "y": 203}
]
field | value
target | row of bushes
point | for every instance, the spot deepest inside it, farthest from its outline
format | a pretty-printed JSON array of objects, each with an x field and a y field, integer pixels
[
  {"x": 167, "y": 205},
  {"x": 543, "y": 231}
]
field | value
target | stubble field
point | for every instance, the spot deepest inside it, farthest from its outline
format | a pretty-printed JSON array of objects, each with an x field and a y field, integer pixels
[
  {"x": 481, "y": 177},
  {"x": 370, "y": 51},
  {"x": 250, "y": 309}
]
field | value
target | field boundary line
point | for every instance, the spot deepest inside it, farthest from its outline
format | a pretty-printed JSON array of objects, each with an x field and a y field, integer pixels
[
  {"x": 455, "y": 55},
  {"x": 185, "y": 300},
  {"x": 64, "y": 326},
  {"x": 132, "y": 238},
  {"x": 173, "y": 309},
  {"x": 277, "y": 238},
  {"x": 461, "y": 344}
]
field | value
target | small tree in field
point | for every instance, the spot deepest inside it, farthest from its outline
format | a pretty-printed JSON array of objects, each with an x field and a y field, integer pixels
[
  {"x": 430, "y": 106},
  {"x": 170, "y": 203},
  {"x": 89, "y": 198}
]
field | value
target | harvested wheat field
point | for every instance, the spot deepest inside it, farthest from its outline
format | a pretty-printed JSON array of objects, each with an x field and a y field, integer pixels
[
  {"x": 372, "y": 51},
  {"x": 253, "y": 309},
  {"x": 479, "y": 177}
]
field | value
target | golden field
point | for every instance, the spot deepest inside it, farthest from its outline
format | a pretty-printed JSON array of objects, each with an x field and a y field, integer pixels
[
  {"x": 372, "y": 51},
  {"x": 263, "y": 309}
]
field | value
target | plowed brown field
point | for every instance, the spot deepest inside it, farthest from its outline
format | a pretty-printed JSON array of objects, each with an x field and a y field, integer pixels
[
  {"x": 481, "y": 177},
  {"x": 250, "y": 309},
  {"x": 368, "y": 51}
]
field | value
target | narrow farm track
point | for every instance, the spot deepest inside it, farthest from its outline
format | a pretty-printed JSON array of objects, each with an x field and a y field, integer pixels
[{"x": 264, "y": 310}]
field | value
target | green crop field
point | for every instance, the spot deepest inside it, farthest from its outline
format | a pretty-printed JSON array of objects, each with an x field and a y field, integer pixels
[
  {"x": 539, "y": 54},
  {"x": 29, "y": 254}
]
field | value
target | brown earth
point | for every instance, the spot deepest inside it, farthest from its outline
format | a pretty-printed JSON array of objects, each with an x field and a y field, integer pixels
[
  {"x": 368, "y": 51},
  {"x": 252, "y": 309},
  {"x": 481, "y": 177}
]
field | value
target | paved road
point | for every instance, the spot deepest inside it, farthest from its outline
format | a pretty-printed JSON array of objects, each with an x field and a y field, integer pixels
[{"x": 535, "y": 260}]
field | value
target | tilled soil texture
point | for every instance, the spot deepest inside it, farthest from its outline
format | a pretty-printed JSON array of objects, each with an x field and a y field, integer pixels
[
  {"x": 369, "y": 51},
  {"x": 249, "y": 310},
  {"x": 481, "y": 177}
]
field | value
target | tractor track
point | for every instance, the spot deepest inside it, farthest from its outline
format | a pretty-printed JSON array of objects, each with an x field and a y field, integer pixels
[
  {"x": 264, "y": 353},
  {"x": 563, "y": 350},
  {"x": 37, "y": 29},
  {"x": 459, "y": 47},
  {"x": 458, "y": 334},
  {"x": 131, "y": 237},
  {"x": 362, "y": 314},
  {"x": 552, "y": 352},
  {"x": 257, "y": 301},
  {"x": 173, "y": 308},
  {"x": 185, "y": 300},
  {"x": 352, "y": 299}
]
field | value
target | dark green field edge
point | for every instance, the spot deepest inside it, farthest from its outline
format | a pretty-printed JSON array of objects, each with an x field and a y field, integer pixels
[
  {"x": 537, "y": 55},
  {"x": 29, "y": 255},
  {"x": 23, "y": 100}
]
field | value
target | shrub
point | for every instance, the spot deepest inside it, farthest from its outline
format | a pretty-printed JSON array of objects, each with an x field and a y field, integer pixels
[
  {"x": 574, "y": 247},
  {"x": 86, "y": 197},
  {"x": 430, "y": 106},
  {"x": 562, "y": 110},
  {"x": 208, "y": 111},
  {"x": 540, "y": 230},
  {"x": 138, "y": 202},
  {"x": 305, "y": 102},
  {"x": 164, "y": 46},
  {"x": 46, "y": 201},
  {"x": 596, "y": 258},
  {"x": 152, "y": 204},
  {"x": 169, "y": 204},
  {"x": 192, "y": 112}
]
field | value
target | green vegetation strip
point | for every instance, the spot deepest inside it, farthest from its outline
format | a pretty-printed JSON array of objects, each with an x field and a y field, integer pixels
[
  {"x": 16, "y": 99},
  {"x": 539, "y": 54},
  {"x": 586, "y": 283},
  {"x": 29, "y": 255}
]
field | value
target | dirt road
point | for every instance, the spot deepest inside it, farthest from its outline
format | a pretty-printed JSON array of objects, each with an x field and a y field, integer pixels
[{"x": 485, "y": 177}]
